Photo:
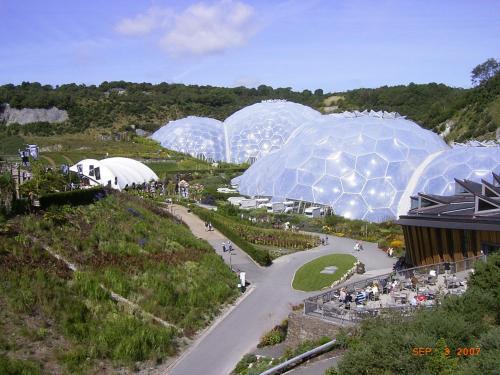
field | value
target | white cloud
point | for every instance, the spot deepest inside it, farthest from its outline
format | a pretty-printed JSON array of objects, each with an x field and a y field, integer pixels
[
  {"x": 154, "y": 18},
  {"x": 204, "y": 29},
  {"x": 200, "y": 29}
]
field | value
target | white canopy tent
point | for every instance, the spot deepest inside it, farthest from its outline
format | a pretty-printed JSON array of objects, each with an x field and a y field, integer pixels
[{"x": 117, "y": 172}]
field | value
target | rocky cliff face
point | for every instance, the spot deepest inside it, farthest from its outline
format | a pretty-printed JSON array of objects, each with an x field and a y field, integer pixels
[{"x": 28, "y": 115}]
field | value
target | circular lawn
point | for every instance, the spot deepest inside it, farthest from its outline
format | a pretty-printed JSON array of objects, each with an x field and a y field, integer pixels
[{"x": 322, "y": 272}]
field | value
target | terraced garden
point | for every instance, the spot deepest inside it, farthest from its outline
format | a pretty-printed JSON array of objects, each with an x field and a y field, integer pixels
[{"x": 55, "y": 321}]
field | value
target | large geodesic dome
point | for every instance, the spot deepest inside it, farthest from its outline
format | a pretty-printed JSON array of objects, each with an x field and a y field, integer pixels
[
  {"x": 258, "y": 129},
  {"x": 357, "y": 163},
  {"x": 201, "y": 137},
  {"x": 460, "y": 162}
]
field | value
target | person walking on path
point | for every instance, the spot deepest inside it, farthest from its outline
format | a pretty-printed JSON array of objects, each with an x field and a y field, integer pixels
[
  {"x": 356, "y": 246},
  {"x": 223, "y": 247},
  {"x": 360, "y": 246},
  {"x": 229, "y": 246},
  {"x": 326, "y": 240},
  {"x": 206, "y": 226}
]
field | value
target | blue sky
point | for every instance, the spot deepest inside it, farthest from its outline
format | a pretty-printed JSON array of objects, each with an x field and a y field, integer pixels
[{"x": 309, "y": 44}]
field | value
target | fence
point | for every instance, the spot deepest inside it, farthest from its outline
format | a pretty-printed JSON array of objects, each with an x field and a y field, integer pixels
[{"x": 318, "y": 305}]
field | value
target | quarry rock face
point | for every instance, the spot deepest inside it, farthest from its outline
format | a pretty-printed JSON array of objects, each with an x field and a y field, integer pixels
[{"x": 29, "y": 115}]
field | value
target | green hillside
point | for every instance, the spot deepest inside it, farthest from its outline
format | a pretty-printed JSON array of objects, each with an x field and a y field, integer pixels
[
  {"x": 54, "y": 321},
  {"x": 120, "y": 106},
  {"x": 473, "y": 113}
]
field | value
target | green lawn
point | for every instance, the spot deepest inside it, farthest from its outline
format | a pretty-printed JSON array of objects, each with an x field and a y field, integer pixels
[{"x": 309, "y": 277}]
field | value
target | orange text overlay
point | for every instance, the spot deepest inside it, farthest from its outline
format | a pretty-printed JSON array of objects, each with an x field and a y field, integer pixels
[{"x": 459, "y": 352}]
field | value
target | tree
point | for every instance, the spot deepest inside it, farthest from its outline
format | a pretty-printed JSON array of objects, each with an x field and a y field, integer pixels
[{"x": 483, "y": 72}]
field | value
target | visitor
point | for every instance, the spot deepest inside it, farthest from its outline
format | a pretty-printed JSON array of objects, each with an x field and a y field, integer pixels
[
  {"x": 342, "y": 295},
  {"x": 375, "y": 291},
  {"x": 210, "y": 228},
  {"x": 414, "y": 302},
  {"x": 356, "y": 246},
  {"x": 390, "y": 252},
  {"x": 360, "y": 297},
  {"x": 323, "y": 242},
  {"x": 360, "y": 246},
  {"x": 229, "y": 246},
  {"x": 223, "y": 247},
  {"x": 326, "y": 240},
  {"x": 369, "y": 293},
  {"x": 206, "y": 226}
]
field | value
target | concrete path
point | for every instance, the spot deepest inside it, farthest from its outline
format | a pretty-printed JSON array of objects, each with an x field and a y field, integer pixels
[{"x": 239, "y": 332}]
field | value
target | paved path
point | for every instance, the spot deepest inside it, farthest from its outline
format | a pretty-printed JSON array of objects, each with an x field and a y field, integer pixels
[{"x": 238, "y": 333}]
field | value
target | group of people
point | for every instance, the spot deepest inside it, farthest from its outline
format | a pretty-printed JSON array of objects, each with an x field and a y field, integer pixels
[
  {"x": 208, "y": 226},
  {"x": 227, "y": 247},
  {"x": 360, "y": 296}
]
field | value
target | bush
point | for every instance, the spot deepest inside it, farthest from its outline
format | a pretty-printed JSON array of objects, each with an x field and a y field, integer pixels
[
  {"x": 274, "y": 336},
  {"x": 72, "y": 198}
]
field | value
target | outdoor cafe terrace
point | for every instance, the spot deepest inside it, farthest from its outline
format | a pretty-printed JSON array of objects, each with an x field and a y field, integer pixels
[{"x": 400, "y": 291}]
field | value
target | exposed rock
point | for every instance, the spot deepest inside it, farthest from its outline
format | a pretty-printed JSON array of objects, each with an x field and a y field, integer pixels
[
  {"x": 52, "y": 148},
  {"x": 448, "y": 126},
  {"x": 30, "y": 115},
  {"x": 498, "y": 134},
  {"x": 142, "y": 133}
]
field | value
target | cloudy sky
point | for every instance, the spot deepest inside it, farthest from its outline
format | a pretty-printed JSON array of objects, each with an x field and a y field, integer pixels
[{"x": 329, "y": 44}]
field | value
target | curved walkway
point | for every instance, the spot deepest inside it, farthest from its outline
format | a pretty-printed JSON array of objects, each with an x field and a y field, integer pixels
[{"x": 218, "y": 351}]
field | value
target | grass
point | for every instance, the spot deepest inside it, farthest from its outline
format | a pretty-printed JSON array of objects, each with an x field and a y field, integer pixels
[
  {"x": 130, "y": 247},
  {"x": 309, "y": 277}
]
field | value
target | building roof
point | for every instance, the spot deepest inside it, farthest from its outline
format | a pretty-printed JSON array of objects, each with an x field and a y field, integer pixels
[
  {"x": 474, "y": 206},
  {"x": 117, "y": 172}
]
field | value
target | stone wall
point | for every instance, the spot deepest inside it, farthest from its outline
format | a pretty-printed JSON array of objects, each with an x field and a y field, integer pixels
[{"x": 302, "y": 328}]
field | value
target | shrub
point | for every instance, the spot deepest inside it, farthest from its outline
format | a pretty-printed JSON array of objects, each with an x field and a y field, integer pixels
[
  {"x": 73, "y": 198},
  {"x": 274, "y": 336}
]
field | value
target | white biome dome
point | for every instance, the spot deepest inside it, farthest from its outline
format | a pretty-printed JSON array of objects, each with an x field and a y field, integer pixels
[
  {"x": 461, "y": 162},
  {"x": 258, "y": 129},
  {"x": 201, "y": 137},
  {"x": 357, "y": 163}
]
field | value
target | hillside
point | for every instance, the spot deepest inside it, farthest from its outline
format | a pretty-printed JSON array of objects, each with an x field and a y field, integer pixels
[
  {"x": 472, "y": 113},
  {"x": 123, "y": 106},
  {"x": 120, "y": 104},
  {"x": 58, "y": 321}
]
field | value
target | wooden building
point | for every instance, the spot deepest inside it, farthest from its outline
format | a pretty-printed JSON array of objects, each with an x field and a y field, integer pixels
[{"x": 451, "y": 228}]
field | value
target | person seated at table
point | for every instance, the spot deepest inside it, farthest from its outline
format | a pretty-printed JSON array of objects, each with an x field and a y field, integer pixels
[
  {"x": 368, "y": 292},
  {"x": 414, "y": 302},
  {"x": 360, "y": 297},
  {"x": 342, "y": 295},
  {"x": 375, "y": 291},
  {"x": 421, "y": 298}
]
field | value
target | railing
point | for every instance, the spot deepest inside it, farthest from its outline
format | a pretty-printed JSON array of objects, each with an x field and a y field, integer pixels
[
  {"x": 318, "y": 305},
  {"x": 299, "y": 359}
]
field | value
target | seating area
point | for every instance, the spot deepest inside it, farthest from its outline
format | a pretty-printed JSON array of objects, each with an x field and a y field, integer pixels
[{"x": 398, "y": 291}]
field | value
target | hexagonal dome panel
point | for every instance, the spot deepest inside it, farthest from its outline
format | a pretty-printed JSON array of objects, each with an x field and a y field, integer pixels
[
  {"x": 357, "y": 163},
  {"x": 267, "y": 123},
  {"x": 462, "y": 162},
  {"x": 200, "y": 137}
]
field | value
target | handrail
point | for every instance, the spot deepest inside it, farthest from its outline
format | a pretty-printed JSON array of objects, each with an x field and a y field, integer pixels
[
  {"x": 400, "y": 272},
  {"x": 300, "y": 358}
]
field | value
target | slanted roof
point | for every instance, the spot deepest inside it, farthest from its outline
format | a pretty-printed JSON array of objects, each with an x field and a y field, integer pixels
[{"x": 476, "y": 206}]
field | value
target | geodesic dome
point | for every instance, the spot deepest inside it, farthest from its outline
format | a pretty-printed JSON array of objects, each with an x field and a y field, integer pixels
[
  {"x": 357, "y": 163},
  {"x": 201, "y": 137},
  {"x": 462, "y": 162},
  {"x": 258, "y": 129}
]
